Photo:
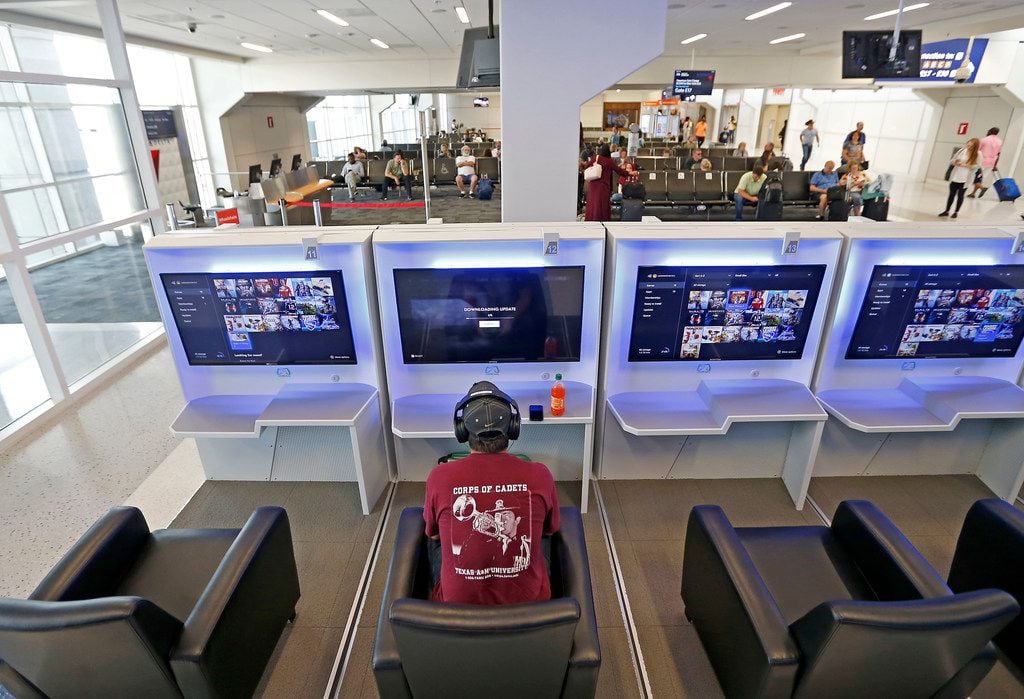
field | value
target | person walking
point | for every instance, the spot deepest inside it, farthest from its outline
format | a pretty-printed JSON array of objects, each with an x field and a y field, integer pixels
[
  {"x": 965, "y": 164},
  {"x": 685, "y": 130},
  {"x": 808, "y": 139},
  {"x": 599, "y": 191},
  {"x": 700, "y": 130},
  {"x": 730, "y": 130},
  {"x": 990, "y": 147}
]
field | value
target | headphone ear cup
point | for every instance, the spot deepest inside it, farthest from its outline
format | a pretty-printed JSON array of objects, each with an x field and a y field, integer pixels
[
  {"x": 513, "y": 425},
  {"x": 461, "y": 433}
]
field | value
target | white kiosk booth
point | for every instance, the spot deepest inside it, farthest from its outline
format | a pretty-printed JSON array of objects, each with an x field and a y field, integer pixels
[
  {"x": 514, "y": 304},
  {"x": 711, "y": 336},
  {"x": 920, "y": 368},
  {"x": 275, "y": 339}
]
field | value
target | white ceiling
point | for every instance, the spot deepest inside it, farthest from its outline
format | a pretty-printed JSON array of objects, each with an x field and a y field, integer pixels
[
  {"x": 430, "y": 28},
  {"x": 412, "y": 28},
  {"x": 823, "y": 21}
]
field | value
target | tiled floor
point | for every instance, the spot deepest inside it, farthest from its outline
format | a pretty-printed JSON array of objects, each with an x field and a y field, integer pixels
[{"x": 56, "y": 484}]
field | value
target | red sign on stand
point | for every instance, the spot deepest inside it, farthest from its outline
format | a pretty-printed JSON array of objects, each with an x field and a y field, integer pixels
[
  {"x": 226, "y": 216},
  {"x": 961, "y": 129}
]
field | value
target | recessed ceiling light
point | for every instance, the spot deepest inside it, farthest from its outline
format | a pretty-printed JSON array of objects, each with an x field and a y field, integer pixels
[
  {"x": 331, "y": 17},
  {"x": 768, "y": 11},
  {"x": 378, "y": 42},
  {"x": 695, "y": 37},
  {"x": 783, "y": 39},
  {"x": 256, "y": 47},
  {"x": 890, "y": 13},
  {"x": 463, "y": 15},
  {"x": 439, "y": 10}
]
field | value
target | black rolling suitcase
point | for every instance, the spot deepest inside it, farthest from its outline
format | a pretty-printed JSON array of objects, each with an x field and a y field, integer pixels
[
  {"x": 769, "y": 199},
  {"x": 838, "y": 207},
  {"x": 876, "y": 209}
]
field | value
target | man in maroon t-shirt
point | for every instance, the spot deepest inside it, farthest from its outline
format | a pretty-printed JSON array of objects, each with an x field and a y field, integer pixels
[{"x": 490, "y": 509}]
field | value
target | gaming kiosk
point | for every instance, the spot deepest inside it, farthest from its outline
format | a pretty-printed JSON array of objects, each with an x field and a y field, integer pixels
[
  {"x": 274, "y": 336},
  {"x": 921, "y": 365},
  {"x": 514, "y": 304},
  {"x": 711, "y": 336}
]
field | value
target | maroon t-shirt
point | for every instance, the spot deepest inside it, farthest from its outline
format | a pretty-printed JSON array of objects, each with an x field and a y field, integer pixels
[{"x": 491, "y": 511}]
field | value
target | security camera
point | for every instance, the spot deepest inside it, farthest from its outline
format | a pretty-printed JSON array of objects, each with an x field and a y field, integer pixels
[
  {"x": 191, "y": 27},
  {"x": 964, "y": 72}
]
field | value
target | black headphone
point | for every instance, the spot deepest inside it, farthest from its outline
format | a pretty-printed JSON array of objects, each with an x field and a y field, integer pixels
[{"x": 480, "y": 390}]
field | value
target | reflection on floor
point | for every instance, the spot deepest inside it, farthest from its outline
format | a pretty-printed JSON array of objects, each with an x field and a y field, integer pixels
[
  {"x": 103, "y": 285},
  {"x": 332, "y": 539},
  {"x": 54, "y": 486},
  {"x": 617, "y": 678}
]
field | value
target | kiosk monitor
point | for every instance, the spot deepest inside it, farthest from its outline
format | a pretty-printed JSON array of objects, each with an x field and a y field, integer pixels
[
  {"x": 296, "y": 161},
  {"x": 261, "y": 318},
  {"x": 275, "y": 167},
  {"x": 255, "y": 173},
  {"x": 522, "y": 314},
  {"x": 723, "y": 313},
  {"x": 931, "y": 312}
]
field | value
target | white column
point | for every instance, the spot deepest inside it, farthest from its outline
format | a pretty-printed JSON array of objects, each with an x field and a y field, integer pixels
[{"x": 554, "y": 57}]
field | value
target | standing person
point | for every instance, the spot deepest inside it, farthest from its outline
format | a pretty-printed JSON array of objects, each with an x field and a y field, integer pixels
[
  {"x": 352, "y": 173},
  {"x": 466, "y": 172},
  {"x": 990, "y": 147},
  {"x": 747, "y": 190},
  {"x": 782, "y": 135},
  {"x": 965, "y": 163},
  {"x": 808, "y": 139},
  {"x": 685, "y": 129},
  {"x": 633, "y": 141},
  {"x": 860, "y": 131},
  {"x": 853, "y": 150},
  {"x": 700, "y": 130},
  {"x": 397, "y": 171},
  {"x": 599, "y": 191},
  {"x": 731, "y": 129}
]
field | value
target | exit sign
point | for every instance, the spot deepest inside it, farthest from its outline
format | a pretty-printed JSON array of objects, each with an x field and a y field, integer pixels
[{"x": 961, "y": 129}]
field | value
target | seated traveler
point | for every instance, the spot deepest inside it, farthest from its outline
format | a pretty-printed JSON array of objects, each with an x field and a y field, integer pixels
[
  {"x": 855, "y": 181},
  {"x": 767, "y": 155},
  {"x": 693, "y": 162},
  {"x": 352, "y": 172},
  {"x": 741, "y": 151},
  {"x": 466, "y": 165},
  {"x": 487, "y": 513},
  {"x": 705, "y": 165},
  {"x": 747, "y": 189},
  {"x": 820, "y": 183},
  {"x": 397, "y": 171}
]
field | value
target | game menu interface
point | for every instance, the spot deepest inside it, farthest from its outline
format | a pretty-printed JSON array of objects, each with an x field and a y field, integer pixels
[
  {"x": 261, "y": 318},
  {"x": 723, "y": 313},
  {"x": 937, "y": 312}
]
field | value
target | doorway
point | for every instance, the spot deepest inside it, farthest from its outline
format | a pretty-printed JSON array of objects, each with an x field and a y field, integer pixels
[{"x": 774, "y": 119}]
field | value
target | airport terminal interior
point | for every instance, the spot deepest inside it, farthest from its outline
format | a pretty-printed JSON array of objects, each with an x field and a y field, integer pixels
[{"x": 405, "y": 348}]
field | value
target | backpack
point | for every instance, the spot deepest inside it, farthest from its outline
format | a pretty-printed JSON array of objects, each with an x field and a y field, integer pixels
[
  {"x": 771, "y": 190},
  {"x": 484, "y": 188},
  {"x": 634, "y": 190}
]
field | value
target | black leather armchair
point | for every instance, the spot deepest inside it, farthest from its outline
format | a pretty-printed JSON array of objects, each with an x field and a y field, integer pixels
[
  {"x": 169, "y": 613},
  {"x": 850, "y": 610},
  {"x": 426, "y": 648},
  {"x": 990, "y": 554}
]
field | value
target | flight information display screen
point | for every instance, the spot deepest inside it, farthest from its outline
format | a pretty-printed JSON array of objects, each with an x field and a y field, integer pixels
[
  {"x": 261, "y": 318},
  {"x": 940, "y": 312},
  {"x": 522, "y": 314},
  {"x": 722, "y": 313}
]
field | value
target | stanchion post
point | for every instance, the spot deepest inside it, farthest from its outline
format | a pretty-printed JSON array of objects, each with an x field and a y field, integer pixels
[
  {"x": 284, "y": 211},
  {"x": 318, "y": 216},
  {"x": 172, "y": 218},
  {"x": 425, "y": 156}
]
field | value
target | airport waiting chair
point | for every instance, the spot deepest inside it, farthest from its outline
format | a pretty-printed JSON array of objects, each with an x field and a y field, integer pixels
[
  {"x": 732, "y": 163},
  {"x": 655, "y": 185},
  {"x": 708, "y": 188},
  {"x": 321, "y": 168},
  {"x": 133, "y": 613},
  {"x": 647, "y": 164},
  {"x": 679, "y": 187},
  {"x": 444, "y": 171},
  {"x": 489, "y": 167},
  {"x": 990, "y": 554},
  {"x": 732, "y": 181},
  {"x": 668, "y": 164},
  {"x": 851, "y": 610},
  {"x": 542, "y": 649},
  {"x": 796, "y": 187}
]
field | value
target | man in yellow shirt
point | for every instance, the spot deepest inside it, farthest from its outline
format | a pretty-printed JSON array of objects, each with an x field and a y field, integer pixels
[{"x": 747, "y": 189}]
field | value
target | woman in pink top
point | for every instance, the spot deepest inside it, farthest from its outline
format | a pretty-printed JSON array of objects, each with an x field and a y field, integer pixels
[{"x": 989, "y": 148}]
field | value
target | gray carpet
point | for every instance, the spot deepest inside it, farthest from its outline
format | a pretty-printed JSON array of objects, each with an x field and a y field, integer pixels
[
  {"x": 103, "y": 285},
  {"x": 445, "y": 203}
]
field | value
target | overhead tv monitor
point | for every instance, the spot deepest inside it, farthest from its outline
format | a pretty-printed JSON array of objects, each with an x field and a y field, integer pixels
[
  {"x": 255, "y": 173},
  {"x": 934, "y": 312},
  {"x": 704, "y": 314},
  {"x": 275, "y": 167},
  {"x": 520, "y": 314},
  {"x": 693, "y": 82},
  {"x": 866, "y": 55},
  {"x": 263, "y": 318},
  {"x": 296, "y": 161}
]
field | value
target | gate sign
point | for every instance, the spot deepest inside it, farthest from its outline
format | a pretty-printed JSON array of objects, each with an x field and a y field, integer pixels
[
  {"x": 941, "y": 59},
  {"x": 961, "y": 129},
  {"x": 693, "y": 82}
]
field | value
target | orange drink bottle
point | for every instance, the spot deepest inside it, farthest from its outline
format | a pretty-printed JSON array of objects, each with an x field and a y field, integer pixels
[{"x": 558, "y": 396}]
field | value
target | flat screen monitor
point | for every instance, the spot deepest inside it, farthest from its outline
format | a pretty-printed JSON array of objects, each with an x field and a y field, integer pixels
[
  {"x": 255, "y": 173},
  {"x": 275, "y": 167},
  {"x": 866, "y": 55},
  {"x": 261, "y": 317},
  {"x": 521, "y": 314},
  {"x": 693, "y": 82},
  {"x": 296, "y": 161},
  {"x": 694, "y": 314},
  {"x": 931, "y": 312}
]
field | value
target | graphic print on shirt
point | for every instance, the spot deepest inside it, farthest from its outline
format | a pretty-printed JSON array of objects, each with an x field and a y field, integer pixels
[{"x": 486, "y": 540}]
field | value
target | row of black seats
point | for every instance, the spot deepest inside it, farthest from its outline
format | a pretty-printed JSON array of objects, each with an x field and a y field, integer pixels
[
  {"x": 718, "y": 162},
  {"x": 442, "y": 170},
  {"x": 716, "y": 188}
]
